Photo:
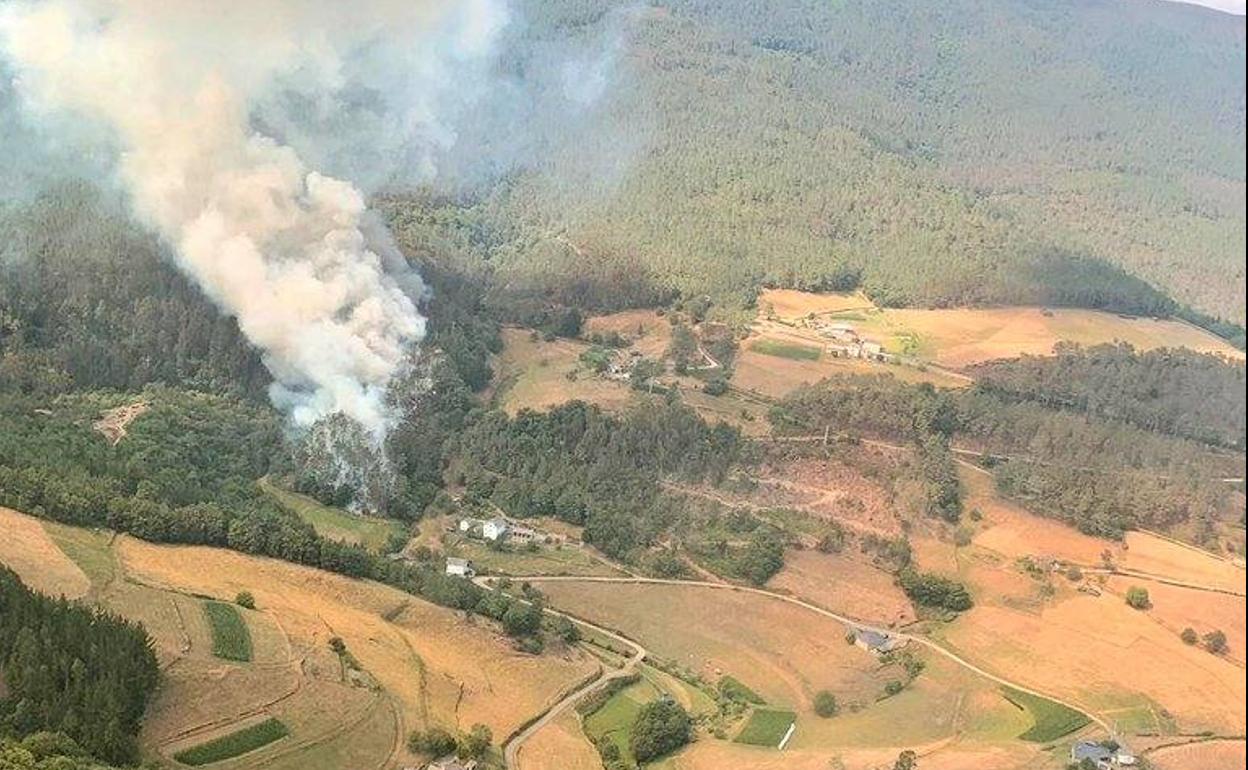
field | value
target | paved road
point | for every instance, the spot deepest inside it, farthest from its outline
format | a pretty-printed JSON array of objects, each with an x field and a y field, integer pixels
[
  {"x": 511, "y": 749},
  {"x": 513, "y": 746}
]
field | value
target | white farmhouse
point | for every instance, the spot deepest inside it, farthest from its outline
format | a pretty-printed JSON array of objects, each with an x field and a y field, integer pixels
[
  {"x": 459, "y": 567},
  {"x": 495, "y": 529}
]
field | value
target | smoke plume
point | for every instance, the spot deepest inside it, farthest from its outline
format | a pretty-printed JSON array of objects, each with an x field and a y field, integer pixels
[{"x": 203, "y": 102}]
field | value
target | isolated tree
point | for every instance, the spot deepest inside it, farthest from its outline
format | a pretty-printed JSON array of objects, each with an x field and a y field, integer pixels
[
  {"x": 476, "y": 743},
  {"x": 245, "y": 599},
  {"x": 1137, "y": 597},
  {"x": 1215, "y": 642},
  {"x": 1189, "y": 636},
  {"x": 433, "y": 742},
  {"x": 825, "y": 704},
  {"x": 906, "y": 760},
  {"x": 662, "y": 726}
]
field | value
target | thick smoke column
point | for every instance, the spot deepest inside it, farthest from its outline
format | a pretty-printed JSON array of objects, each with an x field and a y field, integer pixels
[{"x": 288, "y": 251}]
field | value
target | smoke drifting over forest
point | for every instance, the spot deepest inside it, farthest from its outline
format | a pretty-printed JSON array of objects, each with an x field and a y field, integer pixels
[{"x": 249, "y": 136}]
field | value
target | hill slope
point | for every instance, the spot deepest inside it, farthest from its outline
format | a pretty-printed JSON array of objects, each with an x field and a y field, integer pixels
[{"x": 967, "y": 151}]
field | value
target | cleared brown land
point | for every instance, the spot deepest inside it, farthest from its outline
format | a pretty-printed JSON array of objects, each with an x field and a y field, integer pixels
[
  {"x": 717, "y": 755},
  {"x": 1149, "y": 553},
  {"x": 783, "y": 652},
  {"x": 962, "y": 336},
  {"x": 113, "y": 422},
  {"x": 774, "y": 376},
  {"x": 790, "y": 303},
  {"x": 649, "y": 332},
  {"x": 560, "y": 745},
  {"x": 439, "y": 666},
  {"x": 1010, "y": 530},
  {"x": 844, "y": 584},
  {"x": 533, "y": 374},
  {"x": 1213, "y": 755},
  {"x": 26, "y": 548},
  {"x": 1178, "y": 608}
]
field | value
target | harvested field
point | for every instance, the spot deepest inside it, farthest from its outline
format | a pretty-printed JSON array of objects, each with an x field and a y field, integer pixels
[
  {"x": 533, "y": 374},
  {"x": 649, "y": 332},
  {"x": 781, "y": 651},
  {"x": 439, "y": 667},
  {"x": 844, "y": 583},
  {"x": 1123, "y": 661},
  {"x": 1178, "y": 608},
  {"x": 1155, "y": 555},
  {"x": 560, "y": 745},
  {"x": 720, "y": 755},
  {"x": 774, "y": 377},
  {"x": 1012, "y": 531},
  {"x": 792, "y": 304},
  {"x": 1208, "y": 755},
  {"x": 28, "y": 549},
  {"x": 962, "y": 336}
]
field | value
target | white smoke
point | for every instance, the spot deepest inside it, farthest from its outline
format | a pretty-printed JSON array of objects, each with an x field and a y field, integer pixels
[{"x": 290, "y": 252}]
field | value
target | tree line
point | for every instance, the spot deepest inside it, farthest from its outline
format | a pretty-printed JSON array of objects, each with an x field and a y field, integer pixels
[{"x": 72, "y": 669}]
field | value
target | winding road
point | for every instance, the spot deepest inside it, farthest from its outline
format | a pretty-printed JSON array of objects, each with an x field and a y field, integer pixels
[{"x": 512, "y": 748}]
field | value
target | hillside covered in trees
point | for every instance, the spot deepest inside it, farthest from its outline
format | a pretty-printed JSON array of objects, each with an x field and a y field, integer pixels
[
  {"x": 1065, "y": 153},
  {"x": 1098, "y": 469},
  {"x": 71, "y": 669}
]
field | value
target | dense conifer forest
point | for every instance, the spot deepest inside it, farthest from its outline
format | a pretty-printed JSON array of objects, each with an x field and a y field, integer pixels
[{"x": 74, "y": 670}]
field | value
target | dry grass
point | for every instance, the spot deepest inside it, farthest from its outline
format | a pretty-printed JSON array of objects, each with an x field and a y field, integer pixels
[
  {"x": 1157, "y": 556},
  {"x": 437, "y": 665},
  {"x": 1179, "y": 608},
  {"x": 792, "y": 304},
  {"x": 781, "y": 651},
  {"x": 946, "y": 755},
  {"x": 650, "y": 333},
  {"x": 963, "y": 336},
  {"x": 533, "y": 374},
  {"x": 844, "y": 584},
  {"x": 560, "y": 745},
  {"x": 775, "y": 377},
  {"x": 1213, "y": 755},
  {"x": 27, "y": 549}
]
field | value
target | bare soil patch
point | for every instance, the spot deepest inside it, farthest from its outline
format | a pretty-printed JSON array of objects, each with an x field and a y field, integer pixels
[{"x": 112, "y": 423}]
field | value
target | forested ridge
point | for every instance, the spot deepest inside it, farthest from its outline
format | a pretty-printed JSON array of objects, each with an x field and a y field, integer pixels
[
  {"x": 72, "y": 669},
  {"x": 1180, "y": 392},
  {"x": 1065, "y": 153},
  {"x": 1099, "y": 474}
]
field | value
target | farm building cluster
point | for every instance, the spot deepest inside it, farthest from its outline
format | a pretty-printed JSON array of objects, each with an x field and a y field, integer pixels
[
  {"x": 844, "y": 341},
  {"x": 498, "y": 530},
  {"x": 877, "y": 642},
  {"x": 1102, "y": 756}
]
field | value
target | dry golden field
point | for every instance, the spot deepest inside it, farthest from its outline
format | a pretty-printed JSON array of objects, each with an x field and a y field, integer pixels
[
  {"x": 1125, "y": 665},
  {"x": 783, "y": 652},
  {"x": 27, "y": 549},
  {"x": 959, "y": 337},
  {"x": 533, "y": 374},
  {"x": 844, "y": 583},
  {"x": 1211, "y": 755},
  {"x": 560, "y": 745}
]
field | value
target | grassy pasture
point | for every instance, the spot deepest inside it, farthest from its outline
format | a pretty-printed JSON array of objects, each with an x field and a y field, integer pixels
[
  {"x": 766, "y": 727},
  {"x": 732, "y": 688},
  {"x": 334, "y": 523},
  {"x": 786, "y": 350},
  {"x": 614, "y": 720},
  {"x": 1051, "y": 720},
  {"x": 230, "y": 638},
  {"x": 235, "y": 744},
  {"x": 544, "y": 560}
]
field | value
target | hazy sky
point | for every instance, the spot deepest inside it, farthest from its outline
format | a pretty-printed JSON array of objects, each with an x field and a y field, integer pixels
[{"x": 1230, "y": 6}]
